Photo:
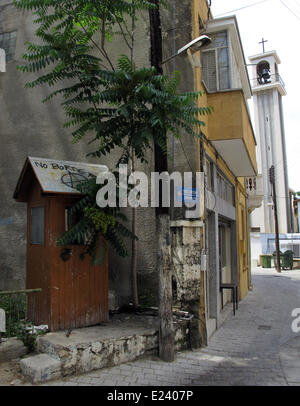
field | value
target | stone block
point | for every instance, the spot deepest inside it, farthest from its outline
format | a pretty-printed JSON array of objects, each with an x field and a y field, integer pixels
[
  {"x": 11, "y": 348},
  {"x": 41, "y": 368}
]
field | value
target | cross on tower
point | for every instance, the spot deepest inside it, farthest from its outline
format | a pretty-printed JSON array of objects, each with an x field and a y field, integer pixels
[{"x": 263, "y": 43}]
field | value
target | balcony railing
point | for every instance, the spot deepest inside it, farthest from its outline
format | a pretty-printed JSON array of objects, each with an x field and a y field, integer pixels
[
  {"x": 254, "y": 189},
  {"x": 275, "y": 78},
  {"x": 254, "y": 185}
]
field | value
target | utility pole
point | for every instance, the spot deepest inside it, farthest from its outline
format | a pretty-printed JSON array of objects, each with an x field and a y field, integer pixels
[
  {"x": 272, "y": 181},
  {"x": 166, "y": 328}
]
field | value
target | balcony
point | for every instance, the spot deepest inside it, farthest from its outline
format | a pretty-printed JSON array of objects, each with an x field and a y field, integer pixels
[
  {"x": 254, "y": 189},
  {"x": 275, "y": 81},
  {"x": 230, "y": 131}
]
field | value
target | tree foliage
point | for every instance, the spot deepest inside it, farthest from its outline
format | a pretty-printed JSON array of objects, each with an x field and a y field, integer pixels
[
  {"x": 109, "y": 106},
  {"x": 92, "y": 222},
  {"x": 125, "y": 107}
]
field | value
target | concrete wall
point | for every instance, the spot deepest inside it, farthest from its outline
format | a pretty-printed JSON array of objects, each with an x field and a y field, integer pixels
[{"x": 28, "y": 127}]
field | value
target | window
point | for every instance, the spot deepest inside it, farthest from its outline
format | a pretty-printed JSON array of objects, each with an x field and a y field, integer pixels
[
  {"x": 71, "y": 218},
  {"x": 8, "y": 43},
  {"x": 215, "y": 63},
  {"x": 225, "y": 189},
  {"x": 37, "y": 225},
  {"x": 222, "y": 236},
  {"x": 208, "y": 171}
]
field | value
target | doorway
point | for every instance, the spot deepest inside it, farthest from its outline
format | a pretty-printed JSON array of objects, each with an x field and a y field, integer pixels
[{"x": 225, "y": 259}]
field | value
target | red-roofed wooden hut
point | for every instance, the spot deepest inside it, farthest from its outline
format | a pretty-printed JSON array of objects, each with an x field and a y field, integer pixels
[{"x": 74, "y": 292}]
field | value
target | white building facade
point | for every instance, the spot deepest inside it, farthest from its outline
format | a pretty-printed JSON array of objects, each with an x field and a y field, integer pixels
[{"x": 268, "y": 89}]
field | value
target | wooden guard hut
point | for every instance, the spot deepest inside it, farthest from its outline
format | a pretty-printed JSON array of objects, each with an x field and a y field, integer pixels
[{"x": 74, "y": 292}]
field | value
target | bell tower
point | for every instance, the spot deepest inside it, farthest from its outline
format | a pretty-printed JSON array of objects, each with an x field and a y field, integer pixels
[{"x": 268, "y": 89}]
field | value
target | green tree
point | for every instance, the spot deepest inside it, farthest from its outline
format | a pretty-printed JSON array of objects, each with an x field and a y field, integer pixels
[{"x": 109, "y": 106}]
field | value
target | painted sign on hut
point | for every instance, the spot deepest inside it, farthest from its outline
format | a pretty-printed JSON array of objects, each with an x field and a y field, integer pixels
[{"x": 74, "y": 291}]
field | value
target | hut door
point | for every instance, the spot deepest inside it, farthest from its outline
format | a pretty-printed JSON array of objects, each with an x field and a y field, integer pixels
[{"x": 81, "y": 288}]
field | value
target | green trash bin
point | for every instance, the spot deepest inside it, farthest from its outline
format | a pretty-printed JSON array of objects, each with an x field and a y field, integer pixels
[
  {"x": 266, "y": 261},
  {"x": 287, "y": 260},
  {"x": 275, "y": 258}
]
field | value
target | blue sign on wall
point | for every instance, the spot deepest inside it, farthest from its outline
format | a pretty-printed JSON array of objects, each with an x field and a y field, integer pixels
[
  {"x": 187, "y": 194},
  {"x": 6, "y": 221}
]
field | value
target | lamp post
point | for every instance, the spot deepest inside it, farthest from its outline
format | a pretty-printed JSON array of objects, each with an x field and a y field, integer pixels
[{"x": 195, "y": 45}]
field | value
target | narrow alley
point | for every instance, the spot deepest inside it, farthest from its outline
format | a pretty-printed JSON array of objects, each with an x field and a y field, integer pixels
[{"x": 255, "y": 347}]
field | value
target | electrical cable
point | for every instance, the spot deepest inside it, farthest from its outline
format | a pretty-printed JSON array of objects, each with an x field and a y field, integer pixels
[
  {"x": 185, "y": 154},
  {"x": 296, "y": 5},
  {"x": 241, "y": 8},
  {"x": 290, "y": 10}
]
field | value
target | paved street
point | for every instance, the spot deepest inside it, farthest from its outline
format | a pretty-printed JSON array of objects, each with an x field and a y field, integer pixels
[{"x": 255, "y": 347}]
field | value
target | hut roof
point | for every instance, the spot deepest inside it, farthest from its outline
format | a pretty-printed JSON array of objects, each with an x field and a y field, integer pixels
[{"x": 54, "y": 176}]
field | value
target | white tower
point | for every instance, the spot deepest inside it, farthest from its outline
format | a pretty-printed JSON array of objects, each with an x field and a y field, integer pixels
[{"x": 268, "y": 89}]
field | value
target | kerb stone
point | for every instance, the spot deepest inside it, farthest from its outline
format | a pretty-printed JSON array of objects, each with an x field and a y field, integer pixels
[
  {"x": 40, "y": 368},
  {"x": 11, "y": 348}
]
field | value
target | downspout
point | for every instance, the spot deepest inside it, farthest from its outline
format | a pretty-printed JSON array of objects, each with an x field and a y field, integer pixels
[
  {"x": 160, "y": 159},
  {"x": 173, "y": 138},
  {"x": 173, "y": 68}
]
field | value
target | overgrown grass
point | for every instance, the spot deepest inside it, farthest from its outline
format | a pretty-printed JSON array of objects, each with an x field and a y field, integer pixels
[
  {"x": 15, "y": 310},
  {"x": 16, "y": 323}
]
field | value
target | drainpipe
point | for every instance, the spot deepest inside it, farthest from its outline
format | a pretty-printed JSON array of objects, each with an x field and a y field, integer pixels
[{"x": 173, "y": 138}]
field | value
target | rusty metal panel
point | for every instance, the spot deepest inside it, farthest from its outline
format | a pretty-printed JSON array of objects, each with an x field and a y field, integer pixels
[
  {"x": 74, "y": 292},
  {"x": 79, "y": 295}
]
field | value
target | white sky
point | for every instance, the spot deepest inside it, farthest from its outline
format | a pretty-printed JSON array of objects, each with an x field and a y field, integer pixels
[{"x": 281, "y": 27}]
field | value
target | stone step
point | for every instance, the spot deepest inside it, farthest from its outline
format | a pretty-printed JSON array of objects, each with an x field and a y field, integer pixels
[
  {"x": 91, "y": 348},
  {"x": 11, "y": 348},
  {"x": 40, "y": 368},
  {"x": 87, "y": 349}
]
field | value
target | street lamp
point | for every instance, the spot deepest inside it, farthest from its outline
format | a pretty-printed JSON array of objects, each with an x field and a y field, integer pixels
[{"x": 194, "y": 46}]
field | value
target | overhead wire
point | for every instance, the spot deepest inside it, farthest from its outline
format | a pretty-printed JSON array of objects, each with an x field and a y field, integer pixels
[
  {"x": 296, "y": 5},
  {"x": 241, "y": 8},
  {"x": 282, "y": 2}
]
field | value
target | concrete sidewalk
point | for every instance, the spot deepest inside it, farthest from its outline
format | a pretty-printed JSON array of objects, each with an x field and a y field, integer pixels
[{"x": 255, "y": 347}]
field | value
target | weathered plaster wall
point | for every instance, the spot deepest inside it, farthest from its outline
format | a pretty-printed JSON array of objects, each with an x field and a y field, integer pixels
[
  {"x": 187, "y": 245},
  {"x": 28, "y": 127}
]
